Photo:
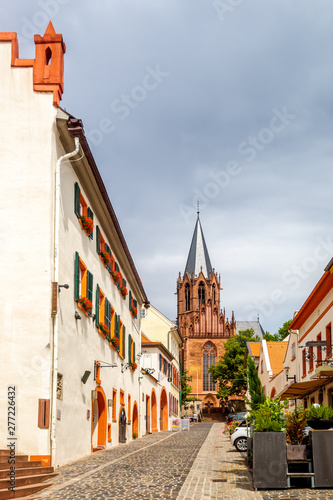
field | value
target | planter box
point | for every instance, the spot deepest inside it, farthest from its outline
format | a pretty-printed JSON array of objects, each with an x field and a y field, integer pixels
[
  {"x": 322, "y": 446},
  {"x": 296, "y": 452},
  {"x": 269, "y": 460}
]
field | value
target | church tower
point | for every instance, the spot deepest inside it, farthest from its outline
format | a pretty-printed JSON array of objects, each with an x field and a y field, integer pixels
[{"x": 201, "y": 321}]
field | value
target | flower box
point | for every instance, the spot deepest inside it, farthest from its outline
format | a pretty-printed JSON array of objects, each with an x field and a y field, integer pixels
[
  {"x": 114, "y": 342},
  {"x": 133, "y": 366},
  {"x": 116, "y": 276},
  {"x": 123, "y": 291},
  {"x": 86, "y": 304},
  {"x": 87, "y": 224},
  {"x": 104, "y": 329},
  {"x": 105, "y": 258},
  {"x": 134, "y": 311}
]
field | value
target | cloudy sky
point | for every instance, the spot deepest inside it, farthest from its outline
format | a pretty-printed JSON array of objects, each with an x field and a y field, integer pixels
[{"x": 224, "y": 101}]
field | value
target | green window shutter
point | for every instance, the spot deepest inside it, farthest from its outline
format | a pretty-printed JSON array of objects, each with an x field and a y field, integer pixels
[
  {"x": 129, "y": 347},
  {"x": 98, "y": 240},
  {"x": 90, "y": 214},
  {"x": 124, "y": 282},
  {"x": 90, "y": 280},
  {"x": 124, "y": 340},
  {"x": 133, "y": 351},
  {"x": 129, "y": 299},
  {"x": 107, "y": 313},
  {"x": 118, "y": 331},
  {"x": 97, "y": 306},
  {"x": 77, "y": 199},
  {"x": 108, "y": 250},
  {"x": 135, "y": 304},
  {"x": 76, "y": 277},
  {"x": 115, "y": 324},
  {"x": 116, "y": 266}
]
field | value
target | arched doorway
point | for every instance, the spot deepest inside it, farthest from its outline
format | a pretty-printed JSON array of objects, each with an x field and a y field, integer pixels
[
  {"x": 135, "y": 420},
  {"x": 122, "y": 426},
  {"x": 154, "y": 411},
  {"x": 164, "y": 411},
  {"x": 99, "y": 419}
]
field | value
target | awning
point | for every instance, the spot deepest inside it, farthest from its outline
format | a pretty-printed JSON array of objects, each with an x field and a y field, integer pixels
[{"x": 299, "y": 390}]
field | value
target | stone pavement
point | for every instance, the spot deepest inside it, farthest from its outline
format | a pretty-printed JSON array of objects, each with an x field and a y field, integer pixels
[{"x": 197, "y": 465}]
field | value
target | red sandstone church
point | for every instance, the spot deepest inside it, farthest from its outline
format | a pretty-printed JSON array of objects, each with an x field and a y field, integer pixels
[{"x": 201, "y": 321}]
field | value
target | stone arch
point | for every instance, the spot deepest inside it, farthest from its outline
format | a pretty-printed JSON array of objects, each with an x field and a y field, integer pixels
[{"x": 99, "y": 413}]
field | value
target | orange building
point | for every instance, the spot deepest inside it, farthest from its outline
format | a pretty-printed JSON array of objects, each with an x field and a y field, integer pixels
[{"x": 201, "y": 321}]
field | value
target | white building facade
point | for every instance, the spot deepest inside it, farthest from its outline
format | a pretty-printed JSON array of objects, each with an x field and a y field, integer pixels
[{"x": 70, "y": 334}]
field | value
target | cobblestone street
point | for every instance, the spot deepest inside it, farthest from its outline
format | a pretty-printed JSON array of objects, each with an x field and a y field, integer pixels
[{"x": 197, "y": 465}]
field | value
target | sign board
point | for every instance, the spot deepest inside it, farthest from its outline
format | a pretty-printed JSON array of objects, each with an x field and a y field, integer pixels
[
  {"x": 176, "y": 424},
  {"x": 185, "y": 424}
]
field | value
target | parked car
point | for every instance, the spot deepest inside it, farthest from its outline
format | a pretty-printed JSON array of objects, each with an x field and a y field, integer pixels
[
  {"x": 231, "y": 417},
  {"x": 239, "y": 436}
]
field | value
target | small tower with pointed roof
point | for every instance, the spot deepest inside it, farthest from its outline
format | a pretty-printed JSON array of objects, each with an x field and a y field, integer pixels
[{"x": 201, "y": 321}]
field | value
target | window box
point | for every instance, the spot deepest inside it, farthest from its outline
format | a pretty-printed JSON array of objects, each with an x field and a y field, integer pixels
[
  {"x": 123, "y": 291},
  {"x": 104, "y": 329},
  {"x": 105, "y": 258},
  {"x": 86, "y": 304},
  {"x": 87, "y": 224},
  {"x": 116, "y": 276},
  {"x": 133, "y": 366},
  {"x": 134, "y": 311}
]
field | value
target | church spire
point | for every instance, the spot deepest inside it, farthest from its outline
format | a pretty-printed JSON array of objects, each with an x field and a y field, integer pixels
[{"x": 198, "y": 258}]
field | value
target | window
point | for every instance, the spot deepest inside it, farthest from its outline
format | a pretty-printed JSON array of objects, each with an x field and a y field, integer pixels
[
  {"x": 83, "y": 285},
  {"x": 293, "y": 351},
  {"x": 208, "y": 360},
  {"x": 129, "y": 408},
  {"x": 329, "y": 341},
  {"x": 201, "y": 293},
  {"x": 310, "y": 359},
  {"x": 114, "y": 405},
  {"x": 319, "y": 351},
  {"x": 187, "y": 297},
  {"x": 83, "y": 212},
  {"x": 119, "y": 333},
  {"x": 122, "y": 398},
  {"x": 133, "y": 305},
  {"x": 104, "y": 250},
  {"x": 303, "y": 362},
  {"x": 131, "y": 350},
  {"x": 262, "y": 366}
]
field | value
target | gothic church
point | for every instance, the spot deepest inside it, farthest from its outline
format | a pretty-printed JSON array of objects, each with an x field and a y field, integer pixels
[{"x": 201, "y": 321}]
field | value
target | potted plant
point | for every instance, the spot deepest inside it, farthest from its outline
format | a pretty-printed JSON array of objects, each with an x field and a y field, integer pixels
[
  {"x": 87, "y": 224},
  {"x": 123, "y": 291},
  {"x": 104, "y": 329},
  {"x": 269, "y": 445},
  {"x": 134, "y": 311},
  {"x": 115, "y": 342},
  {"x": 320, "y": 417},
  {"x": 105, "y": 258},
  {"x": 133, "y": 366},
  {"x": 134, "y": 435},
  {"x": 295, "y": 423},
  {"x": 85, "y": 303}
]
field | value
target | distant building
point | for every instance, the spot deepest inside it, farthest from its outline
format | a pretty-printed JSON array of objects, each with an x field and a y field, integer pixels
[{"x": 201, "y": 321}]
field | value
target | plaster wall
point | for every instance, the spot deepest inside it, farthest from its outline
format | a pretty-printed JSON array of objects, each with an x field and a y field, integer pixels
[{"x": 27, "y": 166}]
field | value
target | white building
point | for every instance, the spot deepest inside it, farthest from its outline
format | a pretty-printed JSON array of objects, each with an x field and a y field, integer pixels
[{"x": 70, "y": 332}]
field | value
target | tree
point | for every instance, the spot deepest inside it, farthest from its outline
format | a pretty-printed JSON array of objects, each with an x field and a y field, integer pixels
[
  {"x": 255, "y": 387},
  {"x": 230, "y": 372},
  {"x": 186, "y": 389},
  {"x": 281, "y": 334}
]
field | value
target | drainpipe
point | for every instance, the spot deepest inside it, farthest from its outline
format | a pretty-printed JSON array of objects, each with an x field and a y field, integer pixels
[{"x": 55, "y": 279}]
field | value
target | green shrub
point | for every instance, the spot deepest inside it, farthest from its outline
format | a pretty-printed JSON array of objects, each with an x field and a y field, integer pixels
[
  {"x": 322, "y": 412},
  {"x": 269, "y": 415},
  {"x": 295, "y": 423}
]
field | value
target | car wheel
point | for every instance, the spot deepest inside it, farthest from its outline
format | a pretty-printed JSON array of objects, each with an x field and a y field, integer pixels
[{"x": 241, "y": 444}]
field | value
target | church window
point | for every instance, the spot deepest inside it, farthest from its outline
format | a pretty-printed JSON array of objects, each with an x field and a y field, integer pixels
[
  {"x": 187, "y": 297},
  {"x": 214, "y": 295},
  {"x": 201, "y": 293},
  {"x": 208, "y": 357}
]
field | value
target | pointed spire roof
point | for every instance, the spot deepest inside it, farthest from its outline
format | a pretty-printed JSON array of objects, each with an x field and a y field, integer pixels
[{"x": 198, "y": 257}]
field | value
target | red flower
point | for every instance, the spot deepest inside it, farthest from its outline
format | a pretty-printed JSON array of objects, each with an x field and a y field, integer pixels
[
  {"x": 106, "y": 258},
  {"x": 134, "y": 311},
  {"x": 115, "y": 341},
  {"x": 133, "y": 366},
  {"x": 104, "y": 328},
  {"x": 123, "y": 291},
  {"x": 87, "y": 223},
  {"x": 85, "y": 303}
]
